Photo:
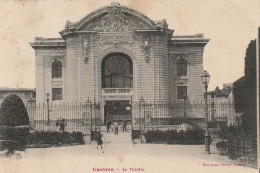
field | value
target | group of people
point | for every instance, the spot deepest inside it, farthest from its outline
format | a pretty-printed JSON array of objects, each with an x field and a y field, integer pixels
[
  {"x": 60, "y": 124},
  {"x": 115, "y": 124},
  {"x": 99, "y": 135}
]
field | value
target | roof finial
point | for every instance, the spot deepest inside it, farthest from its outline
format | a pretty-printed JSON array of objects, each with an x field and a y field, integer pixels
[{"x": 115, "y": 4}]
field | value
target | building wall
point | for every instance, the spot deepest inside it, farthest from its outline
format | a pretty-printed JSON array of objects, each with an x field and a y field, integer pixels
[
  {"x": 194, "y": 56},
  {"x": 44, "y": 82},
  {"x": 72, "y": 70},
  {"x": 156, "y": 80}
]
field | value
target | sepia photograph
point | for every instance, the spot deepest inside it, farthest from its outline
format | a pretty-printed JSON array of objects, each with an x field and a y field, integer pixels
[{"x": 129, "y": 86}]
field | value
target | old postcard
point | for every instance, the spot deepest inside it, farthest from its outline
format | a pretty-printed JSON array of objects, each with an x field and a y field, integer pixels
[{"x": 128, "y": 86}]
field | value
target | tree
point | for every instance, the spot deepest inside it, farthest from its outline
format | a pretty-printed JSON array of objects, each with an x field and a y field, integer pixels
[
  {"x": 14, "y": 123},
  {"x": 245, "y": 91}
]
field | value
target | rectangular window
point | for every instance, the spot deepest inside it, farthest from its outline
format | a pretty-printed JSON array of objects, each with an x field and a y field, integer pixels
[
  {"x": 56, "y": 69},
  {"x": 181, "y": 92},
  {"x": 56, "y": 94}
]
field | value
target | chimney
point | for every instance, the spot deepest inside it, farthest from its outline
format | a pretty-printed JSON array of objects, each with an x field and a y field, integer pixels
[{"x": 217, "y": 89}]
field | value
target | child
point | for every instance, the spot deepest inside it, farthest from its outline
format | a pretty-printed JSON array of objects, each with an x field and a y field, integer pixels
[{"x": 99, "y": 139}]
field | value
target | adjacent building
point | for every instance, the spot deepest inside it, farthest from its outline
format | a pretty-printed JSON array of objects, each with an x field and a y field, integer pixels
[
  {"x": 221, "y": 106},
  {"x": 27, "y": 95}
]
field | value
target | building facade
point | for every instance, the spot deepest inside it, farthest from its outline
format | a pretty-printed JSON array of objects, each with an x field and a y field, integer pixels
[{"x": 115, "y": 55}]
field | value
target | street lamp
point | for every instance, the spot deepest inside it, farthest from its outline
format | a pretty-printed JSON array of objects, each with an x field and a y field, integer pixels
[
  {"x": 48, "y": 109},
  {"x": 141, "y": 106},
  {"x": 185, "y": 97},
  {"x": 205, "y": 80}
]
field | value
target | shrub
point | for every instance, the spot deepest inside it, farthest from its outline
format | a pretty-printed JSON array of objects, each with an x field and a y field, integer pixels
[
  {"x": 195, "y": 136},
  {"x": 14, "y": 123},
  {"x": 13, "y": 112},
  {"x": 48, "y": 139},
  {"x": 238, "y": 144},
  {"x": 222, "y": 146}
]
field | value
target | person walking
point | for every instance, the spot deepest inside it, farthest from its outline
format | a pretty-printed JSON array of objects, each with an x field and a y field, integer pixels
[
  {"x": 99, "y": 140},
  {"x": 116, "y": 128}
]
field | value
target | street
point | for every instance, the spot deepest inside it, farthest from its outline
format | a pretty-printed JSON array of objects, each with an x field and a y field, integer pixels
[{"x": 120, "y": 155}]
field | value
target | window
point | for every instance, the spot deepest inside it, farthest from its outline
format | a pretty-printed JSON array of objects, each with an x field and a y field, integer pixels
[
  {"x": 181, "y": 67},
  {"x": 56, "y": 94},
  {"x": 117, "y": 71},
  {"x": 181, "y": 92},
  {"x": 56, "y": 69}
]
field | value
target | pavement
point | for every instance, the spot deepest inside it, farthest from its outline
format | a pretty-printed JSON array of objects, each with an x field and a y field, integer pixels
[{"x": 118, "y": 155}]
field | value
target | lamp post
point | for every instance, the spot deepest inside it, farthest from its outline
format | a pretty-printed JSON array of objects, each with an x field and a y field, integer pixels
[
  {"x": 48, "y": 109},
  {"x": 141, "y": 104},
  {"x": 205, "y": 80},
  {"x": 185, "y": 97}
]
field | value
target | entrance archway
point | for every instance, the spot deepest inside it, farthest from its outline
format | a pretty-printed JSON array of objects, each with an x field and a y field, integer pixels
[{"x": 117, "y": 79}]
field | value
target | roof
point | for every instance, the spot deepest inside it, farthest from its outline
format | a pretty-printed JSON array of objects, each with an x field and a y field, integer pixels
[
  {"x": 114, "y": 18},
  {"x": 48, "y": 42},
  {"x": 189, "y": 39},
  {"x": 221, "y": 92},
  {"x": 16, "y": 90}
]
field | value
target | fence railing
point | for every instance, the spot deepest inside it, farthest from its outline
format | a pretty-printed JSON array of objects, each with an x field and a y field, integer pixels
[
  {"x": 162, "y": 115},
  {"x": 84, "y": 116},
  {"x": 75, "y": 116}
]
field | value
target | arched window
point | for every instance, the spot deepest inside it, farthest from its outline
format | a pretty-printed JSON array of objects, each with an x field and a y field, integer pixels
[
  {"x": 117, "y": 71},
  {"x": 56, "y": 69},
  {"x": 181, "y": 67}
]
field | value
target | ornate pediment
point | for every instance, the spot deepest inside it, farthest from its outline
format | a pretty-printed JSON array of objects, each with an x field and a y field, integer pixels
[{"x": 115, "y": 20}]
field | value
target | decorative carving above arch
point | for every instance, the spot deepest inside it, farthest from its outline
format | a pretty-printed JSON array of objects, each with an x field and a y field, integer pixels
[
  {"x": 114, "y": 39},
  {"x": 112, "y": 18},
  {"x": 115, "y": 21},
  {"x": 182, "y": 56},
  {"x": 115, "y": 18},
  {"x": 114, "y": 49},
  {"x": 48, "y": 60}
]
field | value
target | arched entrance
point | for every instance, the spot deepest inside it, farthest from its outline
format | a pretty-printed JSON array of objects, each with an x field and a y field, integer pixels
[{"x": 117, "y": 81}]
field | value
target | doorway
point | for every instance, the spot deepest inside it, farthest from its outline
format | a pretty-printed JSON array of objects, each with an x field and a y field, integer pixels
[{"x": 117, "y": 110}]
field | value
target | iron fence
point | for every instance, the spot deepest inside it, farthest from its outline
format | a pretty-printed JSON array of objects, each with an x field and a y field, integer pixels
[
  {"x": 76, "y": 116},
  {"x": 147, "y": 115},
  {"x": 144, "y": 115}
]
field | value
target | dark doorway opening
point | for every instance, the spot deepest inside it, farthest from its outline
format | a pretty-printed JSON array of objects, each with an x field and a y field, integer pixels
[{"x": 117, "y": 110}]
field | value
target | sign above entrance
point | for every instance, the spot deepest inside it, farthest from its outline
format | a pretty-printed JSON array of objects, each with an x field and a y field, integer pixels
[{"x": 114, "y": 38}]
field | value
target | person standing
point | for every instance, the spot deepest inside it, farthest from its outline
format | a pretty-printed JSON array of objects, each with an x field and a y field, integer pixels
[
  {"x": 62, "y": 125},
  {"x": 108, "y": 124},
  {"x": 116, "y": 128},
  {"x": 124, "y": 125}
]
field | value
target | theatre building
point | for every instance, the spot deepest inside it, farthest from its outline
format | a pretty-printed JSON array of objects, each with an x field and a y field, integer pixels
[{"x": 116, "y": 54}]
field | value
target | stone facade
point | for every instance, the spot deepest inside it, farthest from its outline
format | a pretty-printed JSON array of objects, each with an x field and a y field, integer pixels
[{"x": 150, "y": 45}]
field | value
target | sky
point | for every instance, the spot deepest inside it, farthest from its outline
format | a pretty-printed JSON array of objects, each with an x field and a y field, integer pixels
[{"x": 229, "y": 24}]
